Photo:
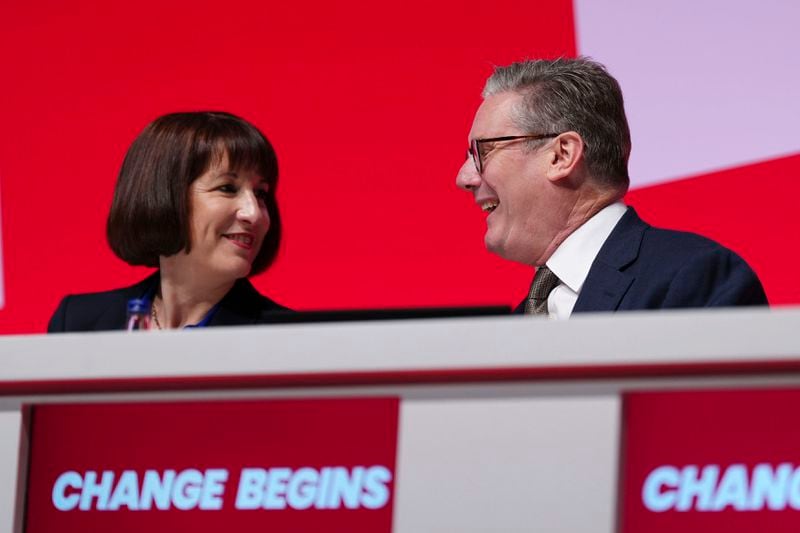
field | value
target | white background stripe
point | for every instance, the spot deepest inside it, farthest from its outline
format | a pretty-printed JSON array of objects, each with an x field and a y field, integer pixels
[{"x": 708, "y": 85}]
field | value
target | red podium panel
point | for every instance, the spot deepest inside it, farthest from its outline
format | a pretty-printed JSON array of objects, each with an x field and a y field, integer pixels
[
  {"x": 725, "y": 460},
  {"x": 277, "y": 465}
]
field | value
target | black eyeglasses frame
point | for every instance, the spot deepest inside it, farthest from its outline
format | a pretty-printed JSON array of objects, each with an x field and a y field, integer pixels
[{"x": 474, "y": 146}]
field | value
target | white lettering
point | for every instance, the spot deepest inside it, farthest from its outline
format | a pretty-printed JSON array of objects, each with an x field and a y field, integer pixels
[
  {"x": 126, "y": 493},
  {"x": 156, "y": 490},
  {"x": 330, "y": 487},
  {"x": 212, "y": 489},
  {"x": 322, "y": 488},
  {"x": 770, "y": 486},
  {"x": 376, "y": 489},
  {"x": 93, "y": 490},
  {"x": 251, "y": 488},
  {"x": 275, "y": 498},
  {"x": 61, "y": 500},
  {"x": 186, "y": 489},
  {"x": 345, "y": 487},
  {"x": 302, "y": 488},
  {"x": 732, "y": 489},
  {"x": 692, "y": 486},
  {"x": 659, "y": 492},
  {"x": 794, "y": 490}
]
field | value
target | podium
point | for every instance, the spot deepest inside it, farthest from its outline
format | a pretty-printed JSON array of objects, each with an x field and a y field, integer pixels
[{"x": 502, "y": 424}]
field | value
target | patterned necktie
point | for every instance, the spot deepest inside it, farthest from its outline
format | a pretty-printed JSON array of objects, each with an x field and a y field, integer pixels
[{"x": 543, "y": 283}]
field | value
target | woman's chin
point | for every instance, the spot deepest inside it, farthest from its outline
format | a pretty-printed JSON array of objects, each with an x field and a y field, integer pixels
[
  {"x": 233, "y": 270},
  {"x": 241, "y": 272}
]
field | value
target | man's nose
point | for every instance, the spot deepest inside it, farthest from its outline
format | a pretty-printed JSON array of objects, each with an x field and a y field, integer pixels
[{"x": 468, "y": 177}]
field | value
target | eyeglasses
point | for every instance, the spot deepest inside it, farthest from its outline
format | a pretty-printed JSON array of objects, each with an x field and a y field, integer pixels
[{"x": 478, "y": 154}]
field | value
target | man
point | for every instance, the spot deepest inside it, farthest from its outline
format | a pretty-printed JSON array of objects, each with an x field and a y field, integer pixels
[{"x": 548, "y": 161}]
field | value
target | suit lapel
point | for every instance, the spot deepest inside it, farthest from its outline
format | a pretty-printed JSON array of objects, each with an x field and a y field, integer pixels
[
  {"x": 603, "y": 290},
  {"x": 607, "y": 283},
  {"x": 241, "y": 306},
  {"x": 115, "y": 315}
]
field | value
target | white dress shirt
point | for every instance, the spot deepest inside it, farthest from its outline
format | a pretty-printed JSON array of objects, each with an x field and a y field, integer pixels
[{"x": 574, "y": 257}]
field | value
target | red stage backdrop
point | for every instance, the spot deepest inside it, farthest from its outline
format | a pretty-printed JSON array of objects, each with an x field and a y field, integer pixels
[
  {"x": 275, "y": 465},
  {"x": 368, "y": 106}
]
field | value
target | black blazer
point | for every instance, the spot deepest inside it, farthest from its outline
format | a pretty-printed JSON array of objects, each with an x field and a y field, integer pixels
[
  {"x": 642, "y": 267},
  {"x": 100, "y": 311}
]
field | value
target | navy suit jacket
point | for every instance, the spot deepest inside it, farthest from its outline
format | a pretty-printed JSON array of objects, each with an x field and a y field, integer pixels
[
  {"x": 642, "y": 267},
  {"x": 100, "y": 311}
]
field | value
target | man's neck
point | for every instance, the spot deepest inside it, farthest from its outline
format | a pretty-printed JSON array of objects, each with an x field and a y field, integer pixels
[{"x": 585, "y": 206}]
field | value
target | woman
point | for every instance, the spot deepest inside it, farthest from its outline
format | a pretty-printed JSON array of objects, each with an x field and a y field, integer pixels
[{"x": 195, "y": 198}]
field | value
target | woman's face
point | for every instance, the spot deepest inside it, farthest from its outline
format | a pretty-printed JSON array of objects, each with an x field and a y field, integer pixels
[{"x": 228, "y": 221}]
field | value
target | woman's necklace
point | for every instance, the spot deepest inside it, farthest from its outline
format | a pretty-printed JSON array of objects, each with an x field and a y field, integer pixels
[{"x": 154, "y": 315}]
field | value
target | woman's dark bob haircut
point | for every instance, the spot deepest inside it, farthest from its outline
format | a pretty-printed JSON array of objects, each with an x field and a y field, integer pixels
[{"x": 149, "y": 215}]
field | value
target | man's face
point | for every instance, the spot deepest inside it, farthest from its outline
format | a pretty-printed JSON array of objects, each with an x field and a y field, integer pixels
[{"x": 514, "y": 190}]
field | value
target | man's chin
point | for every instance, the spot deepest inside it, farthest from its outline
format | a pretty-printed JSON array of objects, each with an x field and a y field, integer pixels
[
  {"x": 509, "y": 253},
  {"x": 497, "y": 247}
]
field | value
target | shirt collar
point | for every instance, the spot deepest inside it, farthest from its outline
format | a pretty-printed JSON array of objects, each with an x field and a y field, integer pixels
[{"x": 574, "y": 257}]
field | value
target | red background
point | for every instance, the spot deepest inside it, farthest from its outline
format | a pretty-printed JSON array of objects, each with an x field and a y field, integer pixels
[
  {"x": 702, "y": 428},
  {"x": 232, "y": 435},
  {"x": 368, "y": 106}
]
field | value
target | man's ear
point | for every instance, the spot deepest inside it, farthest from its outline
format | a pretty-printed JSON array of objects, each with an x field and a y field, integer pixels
[{"x": 566, "y": 155}]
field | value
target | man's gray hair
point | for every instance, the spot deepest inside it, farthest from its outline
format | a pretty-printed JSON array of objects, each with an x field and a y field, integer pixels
[{"x": 572, "y": 95}]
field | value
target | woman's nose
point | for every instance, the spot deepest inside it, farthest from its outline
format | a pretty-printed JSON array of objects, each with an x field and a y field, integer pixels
[{"x": 250, "y": 209}]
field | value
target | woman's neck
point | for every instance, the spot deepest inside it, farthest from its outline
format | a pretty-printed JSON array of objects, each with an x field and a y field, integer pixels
[{"x": 185, "y": 297}]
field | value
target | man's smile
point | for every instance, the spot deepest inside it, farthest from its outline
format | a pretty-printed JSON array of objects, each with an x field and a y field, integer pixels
[{"x": 489, "y": 205}]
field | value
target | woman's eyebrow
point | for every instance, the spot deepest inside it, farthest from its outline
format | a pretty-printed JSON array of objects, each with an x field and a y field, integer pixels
[{"x": 230, "y": 173}]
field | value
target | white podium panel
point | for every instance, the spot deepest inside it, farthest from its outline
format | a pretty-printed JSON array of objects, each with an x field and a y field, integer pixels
[
  {"x": 505, "y": 423},
  {"x": 507, "y": 464}
]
